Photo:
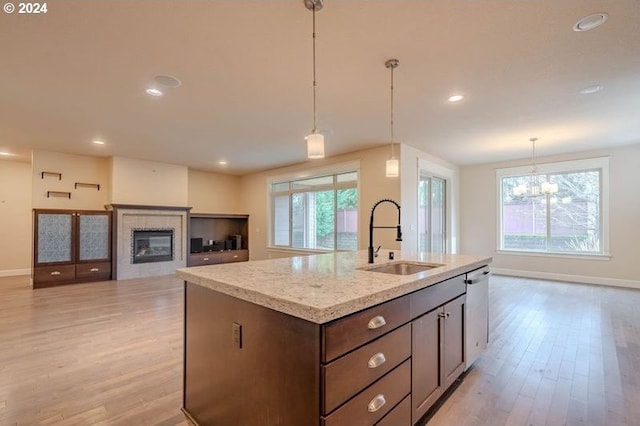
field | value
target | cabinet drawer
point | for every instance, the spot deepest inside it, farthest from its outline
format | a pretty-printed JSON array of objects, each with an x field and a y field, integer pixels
[
  {"x": 345, "y": 334},
  {"x": 346, "y": 376},
  {"x": 369, "y": 406},
  {"x": 54, "y": 274},
  {"x": 425, "y": 300},
  {"x": 399, "y": 416},
  {"x": 233, "y": 256},
  {"x": 202, "y": 259},
  {"x": 93, "y": 271}
]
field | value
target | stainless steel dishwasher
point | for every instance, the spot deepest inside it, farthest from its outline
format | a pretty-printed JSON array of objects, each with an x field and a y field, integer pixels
[{"x": 476, "y": 314}]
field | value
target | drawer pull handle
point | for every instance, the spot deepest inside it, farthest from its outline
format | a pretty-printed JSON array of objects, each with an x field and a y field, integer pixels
[
  {"x": 376, "y": 322},
  {"x": 235, "y": 256},
  {"x": 444, "y": 315},
  {"x": 377, "y": 360},
  {"x": 54, "y": 273},
  {"x": 94, "y": 270},
  {"x": 376, "y": 403},
  {"x": 206, "y": 258}
]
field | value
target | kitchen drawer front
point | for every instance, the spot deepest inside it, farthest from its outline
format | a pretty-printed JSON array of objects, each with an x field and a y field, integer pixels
[
  {"x": 399, "y": 416},
  {"x": 371, "y": 405},
  {"x": 345, "y": 334},
  {"x": 99, "y": 271},
  {"x": 233, "y": 256},
  {"x": 202, "y": 259},
  {"x": 54, "y": 274},
  {"x": 348, "y": 375},
  {"x": 427, "y": 299}
]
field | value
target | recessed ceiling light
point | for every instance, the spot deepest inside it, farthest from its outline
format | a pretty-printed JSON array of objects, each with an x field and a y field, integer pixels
[
  {"x": 456, "y": 98},
  {"x": 98, "y": 142},
  {"x": 590, "y": 22},
  {"x": 167, "y": 80},
  {"x": 154, "y": 92},
  {"x": 223, "y": 162},
  {"x": 592, "y": 89}
]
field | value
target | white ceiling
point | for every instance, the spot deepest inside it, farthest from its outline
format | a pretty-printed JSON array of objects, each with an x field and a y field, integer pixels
[{"x": 79, "y": 72}]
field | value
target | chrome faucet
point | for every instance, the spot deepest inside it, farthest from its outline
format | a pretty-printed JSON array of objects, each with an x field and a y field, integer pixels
[{"x": 371, "y": 227}]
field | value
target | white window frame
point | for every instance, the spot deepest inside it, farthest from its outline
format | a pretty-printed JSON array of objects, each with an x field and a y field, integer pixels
[
  {"x": 334, "y": 169},
  {"x": 599, "y": 163}
]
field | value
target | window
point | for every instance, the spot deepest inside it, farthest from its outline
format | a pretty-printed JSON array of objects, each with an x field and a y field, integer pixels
[
  {"x": 432, "y": 214},
  {"x": 573, "y": 220},
  {"x": 318, "y": 213}
]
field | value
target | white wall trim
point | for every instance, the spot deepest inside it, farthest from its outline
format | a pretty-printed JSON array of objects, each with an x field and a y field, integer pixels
[
  {"x": 15, "y": 272},
  {"x": 582, "y": 279}
]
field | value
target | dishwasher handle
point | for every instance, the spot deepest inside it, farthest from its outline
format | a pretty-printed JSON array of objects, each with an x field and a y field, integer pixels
[{"x": 478, "y": 277}]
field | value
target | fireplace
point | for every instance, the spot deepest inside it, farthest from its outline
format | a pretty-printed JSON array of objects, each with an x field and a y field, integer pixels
[{"x": 151, "y": 245}]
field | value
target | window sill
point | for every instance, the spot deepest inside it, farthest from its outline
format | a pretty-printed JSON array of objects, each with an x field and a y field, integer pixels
[{"x": 590, "y": 256}]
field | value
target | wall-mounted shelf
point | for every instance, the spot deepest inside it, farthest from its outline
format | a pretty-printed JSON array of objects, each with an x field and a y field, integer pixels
[
  {"x": 58, "y": 194},
  {"x": 43, "y": 174},
  {"x": 87, "y": 185}
]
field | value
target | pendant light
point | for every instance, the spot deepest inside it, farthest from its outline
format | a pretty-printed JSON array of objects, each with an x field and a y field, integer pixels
[
  {"x": 532, "y": 188},
  {"x": 315, "y": 140},
  {"x": 393, "y": 164}
]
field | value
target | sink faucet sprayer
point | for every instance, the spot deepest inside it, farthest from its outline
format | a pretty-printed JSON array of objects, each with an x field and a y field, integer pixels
[{"x": 371, "y": 227}]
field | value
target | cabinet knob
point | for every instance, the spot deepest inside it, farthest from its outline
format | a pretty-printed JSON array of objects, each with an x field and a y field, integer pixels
[
  {"x": 94, "y": 270},
  {"x": 376, "y": 322},
  {"x": 377, "y": 360},
  {"x": 376, "y": 403},
  {"x": 54, "y": 273}
]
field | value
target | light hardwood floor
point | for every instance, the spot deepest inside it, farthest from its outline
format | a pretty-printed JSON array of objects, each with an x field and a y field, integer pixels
[{"x": 110, "y": 354}]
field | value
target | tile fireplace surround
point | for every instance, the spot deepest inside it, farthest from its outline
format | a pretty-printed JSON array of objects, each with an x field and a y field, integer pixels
[{"x": 126, "y": 218}]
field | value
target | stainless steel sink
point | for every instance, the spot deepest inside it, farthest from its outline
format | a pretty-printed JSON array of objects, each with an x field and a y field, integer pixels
[{"x": 402, "y": 268}]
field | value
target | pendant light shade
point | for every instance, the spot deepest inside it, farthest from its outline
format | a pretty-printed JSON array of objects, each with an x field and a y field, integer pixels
[
  {"x": 315, "y": 145},
  {"x": 393, "y": 167},
  {"x": 315, "y": 140},
  {"x": 393, "y": 164}
]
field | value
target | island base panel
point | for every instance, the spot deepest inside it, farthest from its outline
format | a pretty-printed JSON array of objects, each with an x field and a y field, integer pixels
[{"x": 238, "y": 363}]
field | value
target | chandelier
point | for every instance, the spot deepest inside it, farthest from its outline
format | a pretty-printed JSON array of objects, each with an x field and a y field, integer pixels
[{"x": 533, "y": 187}]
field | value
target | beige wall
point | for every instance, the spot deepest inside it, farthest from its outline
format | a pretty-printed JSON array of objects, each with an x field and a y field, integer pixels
[
  {"x": 148, "y": 183},
  {"x": 15, "y": 217},
  {"x": 479, "y": 223},
  {"x": 214, "y": 193},
  {"x": 374, "y": 185},
  {"x": 74, "y": 168}
]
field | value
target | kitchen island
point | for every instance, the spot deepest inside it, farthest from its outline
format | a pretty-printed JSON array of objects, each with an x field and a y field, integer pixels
[{"x": 323, "y": 339}]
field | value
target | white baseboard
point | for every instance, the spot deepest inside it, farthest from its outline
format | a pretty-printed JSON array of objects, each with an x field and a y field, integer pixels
[
  {"x": 15, "y": 272},
  {"x": 583, "y": 279}
]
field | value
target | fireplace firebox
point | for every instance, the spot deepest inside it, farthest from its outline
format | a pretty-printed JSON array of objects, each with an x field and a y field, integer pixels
[{"x": 151, "y": 245}]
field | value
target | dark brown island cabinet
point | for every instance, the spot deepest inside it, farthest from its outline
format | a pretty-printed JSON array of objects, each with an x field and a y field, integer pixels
[
  {"x": 70, "y": 246},
  {"x": 386, "y": 365}
]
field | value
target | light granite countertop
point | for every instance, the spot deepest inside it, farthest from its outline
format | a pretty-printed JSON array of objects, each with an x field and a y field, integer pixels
[{"x": 323, "y": 287}]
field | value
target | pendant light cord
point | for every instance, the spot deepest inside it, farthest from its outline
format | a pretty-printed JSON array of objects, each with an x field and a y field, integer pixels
[
  {"x": 392, "y": 112},
  {"x": 315, "y": 122}
]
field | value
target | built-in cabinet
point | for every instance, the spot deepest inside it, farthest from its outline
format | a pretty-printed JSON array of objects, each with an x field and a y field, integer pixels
[
  {"x": 71, "y": 246},
  {"x": 218, "y": 238},
  {"x": 437, "y": 354}
]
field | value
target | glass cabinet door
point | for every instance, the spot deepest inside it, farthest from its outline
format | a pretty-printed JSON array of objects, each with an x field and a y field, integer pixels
[
  {"x": 93, "y": 236},
  {"x": 55, "y": 237}
]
